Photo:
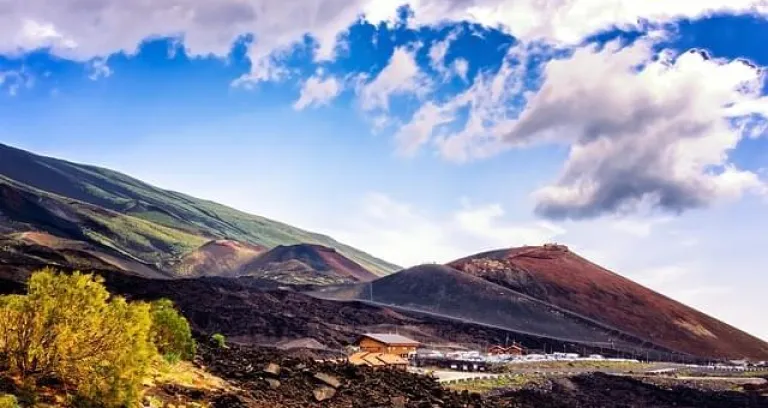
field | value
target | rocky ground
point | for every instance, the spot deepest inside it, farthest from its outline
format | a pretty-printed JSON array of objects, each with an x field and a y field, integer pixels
[
  {"x": 608, "y": 391},
  {"x": 261, "y": 377},
  {"x": 250, "y": 377},
  {"x": 269, "y": 378}
]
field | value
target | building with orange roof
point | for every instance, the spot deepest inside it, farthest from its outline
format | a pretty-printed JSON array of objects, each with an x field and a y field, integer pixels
[{"x": 396, "y": 344}]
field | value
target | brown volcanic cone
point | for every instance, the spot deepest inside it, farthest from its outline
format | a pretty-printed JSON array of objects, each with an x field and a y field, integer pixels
[
  {"x": 309, "y": 259},
  {"x": 218, "y": 258},
  {"x": 445, "y": 291},
  {"x": 556, "y": 275}
]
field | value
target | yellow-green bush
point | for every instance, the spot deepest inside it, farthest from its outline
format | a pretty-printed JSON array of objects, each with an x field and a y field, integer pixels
[
  {"x": 219, "y": 340},
  {"x": 69, "y": 327},
  {"x": 171, "y": 333},
  {"x": 8, "y": 401}
]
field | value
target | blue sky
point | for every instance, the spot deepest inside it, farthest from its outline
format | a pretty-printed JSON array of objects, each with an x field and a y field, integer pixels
[{"x": 633, "y": 132}]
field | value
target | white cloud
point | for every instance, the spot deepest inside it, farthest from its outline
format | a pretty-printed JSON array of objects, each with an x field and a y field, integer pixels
[
  {"x": 438, "y": 51},
  {"x": 646, "y": 131},
  {"x": 85, "y": 29},
  {"x": 437, "y": 58},
  {"x": 317, "y": 91},
  {"x": 639, "y": 139},
  {"x": 483, "y": 222},
  {"x": 570, "y": 21},
  {"x": 401, "y": 76},
  {"x": 33, "y": 34},
  {"x": 99, "y": 69},
  {"x": 12, "y": 81},
  {"x": 422, "y": 126},
  {"x": 402, "y": 234},
  {"x": 461, "y": 68},
  {"x": 490, "y": 103}
]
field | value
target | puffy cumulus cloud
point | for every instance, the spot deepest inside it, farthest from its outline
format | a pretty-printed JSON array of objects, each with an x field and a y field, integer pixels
[
  {"x": 403, "y": 234},
  {"x": 84, "y": 29},
  {"x": 569, "y": 21},
  {"x": 318, "y": 91},
  {"x": 645, "y": 130}
]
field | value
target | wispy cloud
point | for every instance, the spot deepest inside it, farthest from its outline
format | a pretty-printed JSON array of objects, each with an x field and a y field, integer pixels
[
  {"x": 402, "y": 233},
  {"x": 318, "y": 91}
]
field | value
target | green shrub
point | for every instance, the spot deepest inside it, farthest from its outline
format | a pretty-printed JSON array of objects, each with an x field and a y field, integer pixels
[
  {"x": 171, "y": 333},
  {"x": 219, "y": 340},
  {"x": 8, "y": 401},
  {"x": 69, "y": 327}
]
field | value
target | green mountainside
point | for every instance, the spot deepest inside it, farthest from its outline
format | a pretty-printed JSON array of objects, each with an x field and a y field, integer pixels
[{"x": 121, "y": 214}]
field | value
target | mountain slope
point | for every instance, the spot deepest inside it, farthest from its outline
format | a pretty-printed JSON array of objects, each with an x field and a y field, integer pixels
[
  {"x": 170, "y": 222},
  {"x": 24, "y": 208},
  {"x": 556, "y": 275},
  {"x": 445, "y": 291},
  {"x": 306, "y": 263},
  {"x": 217, "y": 258}
]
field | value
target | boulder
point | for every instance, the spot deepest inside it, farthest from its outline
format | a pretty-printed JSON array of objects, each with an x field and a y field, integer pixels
[
  {"x": 323, "y": 393},
  {"x": 328, "y": 379},
  {"x": 273, "y": 369},
  {"x": 274, "y": 384}
]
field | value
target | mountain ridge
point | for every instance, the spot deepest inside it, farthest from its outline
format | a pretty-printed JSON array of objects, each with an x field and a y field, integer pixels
[{"x": 129, "y": 211}]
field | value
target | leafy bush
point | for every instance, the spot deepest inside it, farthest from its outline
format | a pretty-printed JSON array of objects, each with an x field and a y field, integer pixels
[
  {"x": 219, "y": 340},
  {"x": 67, "y": 327},
  {"x": 171, "y": 333},
  {"x": 8, "y": 401}
]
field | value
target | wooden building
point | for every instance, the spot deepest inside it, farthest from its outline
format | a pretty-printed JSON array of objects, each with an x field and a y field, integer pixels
[{"x": 388, "y": 344}]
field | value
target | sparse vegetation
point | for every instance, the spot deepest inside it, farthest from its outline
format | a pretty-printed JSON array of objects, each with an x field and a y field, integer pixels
[
  {"x": 187, "y": 375},
  {"x": 722, "y": 373},
  {"x": 70, "y": 329},
  {"x": 581, "y": 364},
  {"x": 171, "y": 333},
  {"x": 141, "y": 237},
  {"x": 8, "y": 401},
  {"x": 219, "y": 340},
  {"x": 486, "y": 385}
]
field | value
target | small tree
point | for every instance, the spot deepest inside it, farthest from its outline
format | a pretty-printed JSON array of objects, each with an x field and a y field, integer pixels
[
  {"x": 171, "y": 333},
  {"x": 68, "y": 327}
]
